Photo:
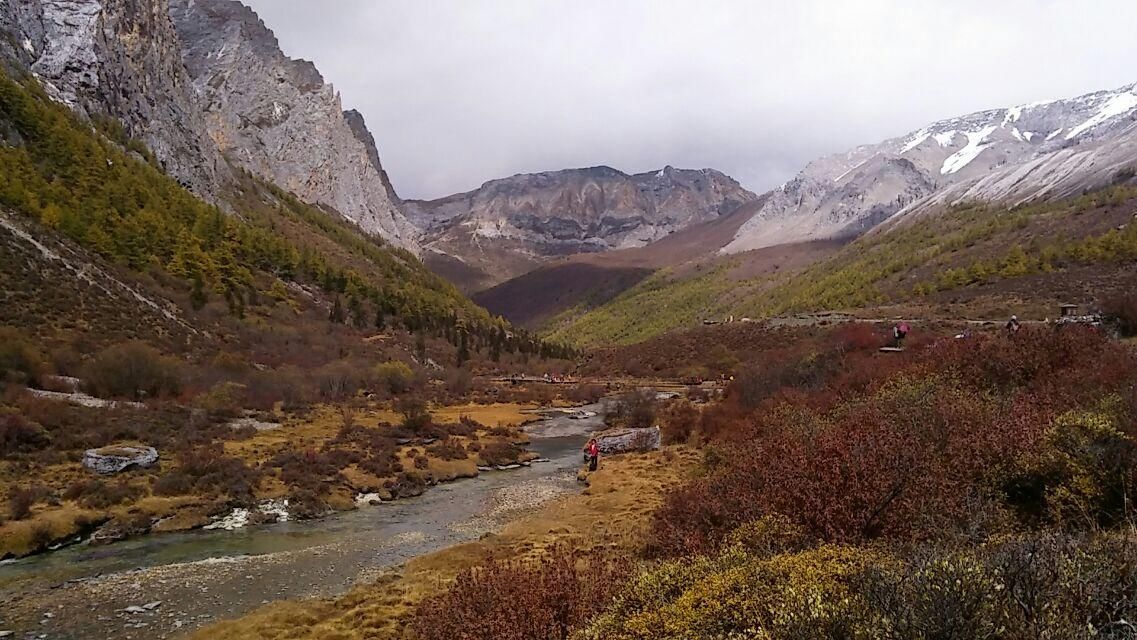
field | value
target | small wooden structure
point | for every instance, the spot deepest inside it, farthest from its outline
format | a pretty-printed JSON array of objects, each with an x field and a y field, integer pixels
[{"x": 1068, "y": 310}]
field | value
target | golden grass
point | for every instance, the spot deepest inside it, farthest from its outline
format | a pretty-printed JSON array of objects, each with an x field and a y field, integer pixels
[
  {"x": 613, "y": 512},
  {"x": 57, "y": 523},
  {"x": 188, "y": 512}
]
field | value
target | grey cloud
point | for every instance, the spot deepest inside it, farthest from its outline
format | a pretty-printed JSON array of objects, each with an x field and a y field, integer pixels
[{"x": 461, "y": 91}]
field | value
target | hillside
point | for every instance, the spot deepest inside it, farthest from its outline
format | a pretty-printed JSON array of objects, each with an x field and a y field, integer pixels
[
  {"x": 511, "y": 226},
  {"x": 82, "y": 195},
  {"x": 587, "y": 281},
  {"x": 980, "y": 260}
]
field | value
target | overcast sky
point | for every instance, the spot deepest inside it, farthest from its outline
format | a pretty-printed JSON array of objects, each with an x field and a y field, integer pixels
[{"x": 458, "y": 92}]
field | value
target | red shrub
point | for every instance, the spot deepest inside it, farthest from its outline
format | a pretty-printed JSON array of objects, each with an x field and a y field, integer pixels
[
  {"x": 545, "y": 600},
  {"x": 875, "y": 453}
]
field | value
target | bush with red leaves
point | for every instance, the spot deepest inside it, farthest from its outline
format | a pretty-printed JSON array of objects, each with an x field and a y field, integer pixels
[
  {"x": 936, "y": 449},
  {"x": 543, "y": 600}
]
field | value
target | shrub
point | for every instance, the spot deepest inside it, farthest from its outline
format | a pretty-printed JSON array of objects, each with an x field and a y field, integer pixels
[
  {"x": 906, "y": 461},
  {"x": 498, "y": 453},
  {"x": 459, "y": 381},
  {"x": 585, "y": 393},
  {"x": 447, "y": 449},
  {"x": 738, "y": 595},
  {"x": 933, "y": 595},
  {"x": 634, "y": 409},
  {"x": 338, "y": 380},
  {"x": 1089, "y": 469},
  {"x": 224, "y": 399},
  {"x": 395, "y": 376},
  {"x": 20, "y": 503},
  {"x": 97, "y": 494},
  {"x": 416, "y": 419},
  {"x": 132, "y": 370},
  {"x": 543, "y": 600},
  {"x": 207, "y": 469},
  {"x": 677, "y": 422},
  {"x": 20, "y": 435},
  {"x": 19, "y": 360}
]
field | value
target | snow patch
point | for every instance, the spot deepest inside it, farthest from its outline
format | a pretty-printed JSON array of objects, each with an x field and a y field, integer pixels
[
  {"x": 964, "y": 156},
  {"x": 1017, "y": 134},
  {"x": 1029, "y": 135},
  {"x": 1013, "y": 114},
  {"x": 1054, "y": 134},
  {"x": 28, "y": 46},
  {"x": 916, "y": 140},
  {"x": 1119, "y": 104},
  {"x": 277, "y": 110},
  {"x": 945, "y": 137}
]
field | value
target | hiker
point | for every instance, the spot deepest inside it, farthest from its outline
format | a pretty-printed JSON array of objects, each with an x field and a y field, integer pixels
[
  {"x": 1013, "y": 325},
  {"x": 899, "y": 332},
  {"x": 592, "y": 452}
]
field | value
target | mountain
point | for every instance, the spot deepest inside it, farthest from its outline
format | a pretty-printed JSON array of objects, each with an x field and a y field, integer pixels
[
  {"x": 1027, "y": 152},
  {"x": 509, "y": 226},
  {"x": 277, "y": 118},
  {"x": 167, "y": 174},
  {"x": 1014, "y": 209},
  {"x": 205, "y": 87},
  {"x": 118, "y": 60}
]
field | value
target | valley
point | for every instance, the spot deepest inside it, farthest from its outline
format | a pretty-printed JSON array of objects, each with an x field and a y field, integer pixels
[{"x": 202, "y": 576}]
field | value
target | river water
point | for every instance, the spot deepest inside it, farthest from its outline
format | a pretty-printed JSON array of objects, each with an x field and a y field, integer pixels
[{"x": 201, "y": 576}]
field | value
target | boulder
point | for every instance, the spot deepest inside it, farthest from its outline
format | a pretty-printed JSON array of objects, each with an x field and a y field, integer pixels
[
  {"x": 625, "y": 440},
  {"x": 111, "y": 460}
]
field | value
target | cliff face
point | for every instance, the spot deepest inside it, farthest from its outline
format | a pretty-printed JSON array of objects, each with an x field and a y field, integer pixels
[
  {"x": 118, "y": 58},
  {"x": 277, "y": 118}
]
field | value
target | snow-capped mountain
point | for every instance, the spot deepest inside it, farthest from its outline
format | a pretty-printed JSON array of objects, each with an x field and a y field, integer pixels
[{"x": 1043, "y": 149}]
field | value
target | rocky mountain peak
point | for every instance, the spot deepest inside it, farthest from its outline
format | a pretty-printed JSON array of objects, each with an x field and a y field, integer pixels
[{"x": 276, "y": 117}]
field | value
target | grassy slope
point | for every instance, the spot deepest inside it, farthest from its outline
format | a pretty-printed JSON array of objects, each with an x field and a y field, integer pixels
[{"x": 932, "y": 261}]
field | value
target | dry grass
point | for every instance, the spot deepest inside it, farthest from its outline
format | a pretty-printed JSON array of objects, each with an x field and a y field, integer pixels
[
  {"x": 309, "y": 433},
  {"x": 613, "y": 512}
]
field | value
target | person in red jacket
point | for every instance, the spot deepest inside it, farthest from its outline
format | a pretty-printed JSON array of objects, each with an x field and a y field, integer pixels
[{"x": 592, "y": 450}]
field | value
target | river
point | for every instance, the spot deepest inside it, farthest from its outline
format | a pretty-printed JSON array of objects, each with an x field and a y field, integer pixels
[{"x": 199, "y": 577}]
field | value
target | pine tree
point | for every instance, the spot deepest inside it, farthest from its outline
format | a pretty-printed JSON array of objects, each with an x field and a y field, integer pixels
[
  {"x": 336, "y": 315},
  {"x": 463, "y": 350},
  {"x": 198, "y": 297}
]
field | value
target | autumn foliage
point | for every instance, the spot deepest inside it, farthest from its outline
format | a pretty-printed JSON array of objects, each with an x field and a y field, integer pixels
[
  {"x": 967, "y": 435},
  {"x": 543, "y": 600}
]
